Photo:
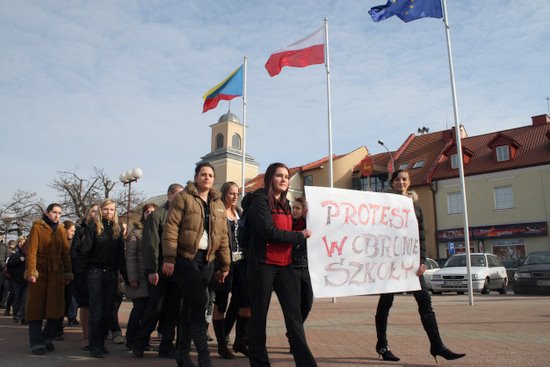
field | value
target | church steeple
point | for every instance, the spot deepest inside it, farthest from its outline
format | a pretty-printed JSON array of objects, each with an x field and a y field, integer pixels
[{"x": 226, "y": 151}]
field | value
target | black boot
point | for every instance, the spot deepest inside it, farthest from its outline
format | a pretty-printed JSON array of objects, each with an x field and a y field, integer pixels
[
  {"x": 382, "y": 343},
  {"x": 219, "y": 329},
  {"x": 437, "y": 348},
  {"x": 241, "y": 337}
]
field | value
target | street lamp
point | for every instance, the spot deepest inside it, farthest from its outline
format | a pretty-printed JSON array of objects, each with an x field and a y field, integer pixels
[
  {"x": 381, "y": 142},
  {"x": 127, "y": 178}
]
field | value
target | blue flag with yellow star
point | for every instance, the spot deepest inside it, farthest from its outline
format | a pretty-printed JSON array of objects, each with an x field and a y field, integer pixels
[{"x": 407, "y": 10}]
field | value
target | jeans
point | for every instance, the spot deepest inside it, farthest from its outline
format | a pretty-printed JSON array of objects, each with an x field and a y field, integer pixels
[
  {"x": 102, "y": 286},
  {"x": 38, "y": 337}
]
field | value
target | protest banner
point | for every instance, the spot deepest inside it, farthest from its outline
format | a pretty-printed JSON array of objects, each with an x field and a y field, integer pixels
[{"x": 362, "y": 242}]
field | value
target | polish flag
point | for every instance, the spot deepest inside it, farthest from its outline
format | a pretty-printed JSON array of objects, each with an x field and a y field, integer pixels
[{"x": 305, "y": 52}]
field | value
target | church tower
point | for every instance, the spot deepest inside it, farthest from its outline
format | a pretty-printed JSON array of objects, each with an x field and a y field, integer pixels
[{"x": 226, "y": 152}]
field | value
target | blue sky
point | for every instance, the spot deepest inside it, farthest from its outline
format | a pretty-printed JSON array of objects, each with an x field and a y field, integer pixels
[{"x": 118, "y": 84}]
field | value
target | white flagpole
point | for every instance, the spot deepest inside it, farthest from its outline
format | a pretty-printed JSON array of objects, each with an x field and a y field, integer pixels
[
  {"x": 459, "y": 154},
  {"x": 244, "y": 130},
  {"x": 329, "y": 106},
  {"x": 329, "y": 114}
]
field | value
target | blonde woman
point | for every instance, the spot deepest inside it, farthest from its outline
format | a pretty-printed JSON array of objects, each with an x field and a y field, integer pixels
[{"x": 103, "y": 247}]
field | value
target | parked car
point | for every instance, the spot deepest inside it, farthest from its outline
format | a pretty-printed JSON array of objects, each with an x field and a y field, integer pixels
[
  {"x": 534, "y": 275},
  {"x": 431, "y": 267},
  {"x": 441, "y": 261},
  {"x": 488, "y": 273}
]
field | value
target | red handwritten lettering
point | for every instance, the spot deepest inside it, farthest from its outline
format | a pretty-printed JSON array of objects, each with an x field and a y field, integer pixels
[{"x": 334, "y": 246}]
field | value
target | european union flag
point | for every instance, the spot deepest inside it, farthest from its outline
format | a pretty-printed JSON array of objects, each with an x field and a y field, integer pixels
[{"x": 407, "y": 10}]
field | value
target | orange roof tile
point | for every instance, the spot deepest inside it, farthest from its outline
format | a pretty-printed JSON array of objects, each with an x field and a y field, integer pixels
[{"x": 533, "y": 150}]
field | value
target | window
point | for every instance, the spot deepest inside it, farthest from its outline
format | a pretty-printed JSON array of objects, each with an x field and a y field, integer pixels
[
  {"x": 236, "y": 142},
  {"x": 418, "y": 164},
  {"x": 377, "y": 183},
  {"x": 504, "y": 197},
  {"x": 219, "y": 141},
  {"x": 454, "y": 161},
  {"x": 308, "y": 180},
  {"x": 403, "y": 166},
  {"x": 454, "y": 203},
  {"x": 503, "y": 153}
]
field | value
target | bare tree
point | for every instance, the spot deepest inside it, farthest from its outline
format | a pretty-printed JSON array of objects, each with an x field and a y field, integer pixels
[
  {"x": 17, "y": 214},
  {"x": 78, "y": 193},
  {"x": 106, "y": 183}
]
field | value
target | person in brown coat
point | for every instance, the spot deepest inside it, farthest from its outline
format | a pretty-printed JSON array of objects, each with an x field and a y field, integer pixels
[
  {"x": 194, "y": 235},
  {"x": 48, "y": 269}
]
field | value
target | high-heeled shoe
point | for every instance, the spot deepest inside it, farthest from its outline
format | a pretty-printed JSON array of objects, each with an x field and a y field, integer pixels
[
  {"x": 446, "y": 353},
  {"x": 386, "y": 354}
]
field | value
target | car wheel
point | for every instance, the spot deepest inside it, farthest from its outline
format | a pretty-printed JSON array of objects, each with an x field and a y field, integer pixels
[
  {"x": 435, "y": 292},
  {"x": 486, "y": 287},
  {"x": 459, "y": 292}
]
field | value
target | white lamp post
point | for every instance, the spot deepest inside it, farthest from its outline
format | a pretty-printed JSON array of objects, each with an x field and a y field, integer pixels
[{"x": 127, "y": 178}]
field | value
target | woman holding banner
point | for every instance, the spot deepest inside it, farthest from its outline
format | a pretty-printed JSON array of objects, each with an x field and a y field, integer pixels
[
  {"x": 400, "y": 183},
  {"x": 270, "y": 239}
]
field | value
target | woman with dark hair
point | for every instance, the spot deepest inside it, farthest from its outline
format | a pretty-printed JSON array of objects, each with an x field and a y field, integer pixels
[
  {"x": 400, "y": 183},
  {"x": 270, "y": 241},
  {"x": 236, "y": 283},
  {"x": 194, "y": 235},
  {"x": 48, "y": 269},
  {"x": 137, "y": 279},
  {"x": 103, "y": 247}
]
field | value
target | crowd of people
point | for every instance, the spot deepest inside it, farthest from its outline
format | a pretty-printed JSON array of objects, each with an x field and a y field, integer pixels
[{"x": 198, "y": 249}]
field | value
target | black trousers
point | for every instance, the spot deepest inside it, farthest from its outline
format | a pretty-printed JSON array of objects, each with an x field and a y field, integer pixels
[
  {"x": 192, "y": 278},
  {"x": 134, "y": 320},
  {"x": 305, "y": 290},
  {"x": 263, "y": 279},
  {"x": 162, "y": 306},
  {"x": 102, "y": 286}
]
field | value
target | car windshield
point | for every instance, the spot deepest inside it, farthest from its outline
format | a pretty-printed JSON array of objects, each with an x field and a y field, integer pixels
[
  {"x": 540, "y": 258},
  {"x": 457, "y": 261}
]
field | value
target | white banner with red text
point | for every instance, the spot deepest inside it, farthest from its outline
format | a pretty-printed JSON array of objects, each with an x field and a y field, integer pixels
[{"x": 361, "y": 242}]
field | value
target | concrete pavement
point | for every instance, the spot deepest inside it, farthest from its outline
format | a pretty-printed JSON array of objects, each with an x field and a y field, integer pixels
[{"x": 499, "y": 330}]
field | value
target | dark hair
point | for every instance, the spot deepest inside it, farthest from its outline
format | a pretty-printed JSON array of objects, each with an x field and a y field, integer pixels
[
  {"x": 396, "y": 173},
  {"x": 302, "y": 201},
  {"x": 145, "y": 208},
  {"x": 53, "y": 205},
  {"x": 68, "y": 224},
  {"x": 174, "y": 187},
  {"x": 204, "y": 164},
  {"x": 225, "y": 189},
  {"x": 268, "y": 178}
]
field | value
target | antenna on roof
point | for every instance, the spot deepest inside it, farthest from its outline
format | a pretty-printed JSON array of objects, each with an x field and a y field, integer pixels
[{"x": 548, "y": 104}]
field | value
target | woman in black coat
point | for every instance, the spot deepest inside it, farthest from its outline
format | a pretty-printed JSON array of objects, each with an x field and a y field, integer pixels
[
  {"x": 400, "y": 183},
  {"x": 270, "y": 240}
]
